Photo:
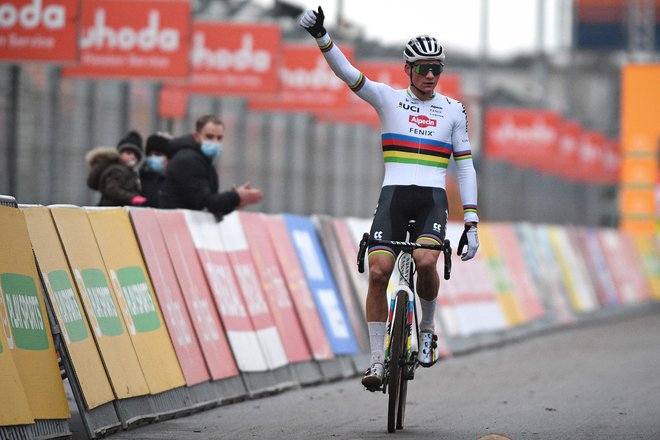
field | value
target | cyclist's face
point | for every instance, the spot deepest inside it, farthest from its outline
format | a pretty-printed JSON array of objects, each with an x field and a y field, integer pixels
[{"x": 425, "y": 82}]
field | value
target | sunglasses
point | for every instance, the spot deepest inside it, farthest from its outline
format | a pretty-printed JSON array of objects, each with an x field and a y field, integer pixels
[{"x": 424, "y": 69}]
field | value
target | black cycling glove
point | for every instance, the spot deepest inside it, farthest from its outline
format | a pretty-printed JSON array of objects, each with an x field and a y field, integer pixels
[{"x": 312, "y": 21}]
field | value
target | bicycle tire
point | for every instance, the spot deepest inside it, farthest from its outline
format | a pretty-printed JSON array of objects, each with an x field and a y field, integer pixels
[
  {"x": 395, "y": 368},
  {"x": 403, "y": 392}
]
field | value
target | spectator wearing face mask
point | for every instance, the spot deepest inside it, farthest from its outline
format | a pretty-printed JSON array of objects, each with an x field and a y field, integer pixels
[
  {"x": 113, "y": 172},
  {"x": 152, "y": 171},
  {"x": 191, "y": 179}
]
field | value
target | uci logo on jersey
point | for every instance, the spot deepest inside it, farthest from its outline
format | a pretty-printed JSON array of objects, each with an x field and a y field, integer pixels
[{"x": 412, "y": 108}]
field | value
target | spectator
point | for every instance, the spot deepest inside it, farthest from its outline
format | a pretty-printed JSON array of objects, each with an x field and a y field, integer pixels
[
  {"x": 113, "y": 172},
  {"x": 191, "y": 180},
  {"x": 152, "y": 172}
]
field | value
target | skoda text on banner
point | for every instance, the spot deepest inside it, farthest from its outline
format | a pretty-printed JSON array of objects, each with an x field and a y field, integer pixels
[
  {"x": 301, "y": 294},
  {"x": 235, "y": 58},
  {"x": 229, "y": 301},
  {"x": 68, "y": 308},
  {"x": 137, "y": 302},
  {"x": 40, "y": 30},
  {"x": 108, "y": 327},
  {"x": 150, "y": 39},
  {"x": 25, "y": 321},
  {"x": 329, "y": 303},
  {"x": 307, "y": 83},
  {"x": 274, "y": 287},
  {"x": 196, "y": 293},
  {"x": 170, "y": 298}
]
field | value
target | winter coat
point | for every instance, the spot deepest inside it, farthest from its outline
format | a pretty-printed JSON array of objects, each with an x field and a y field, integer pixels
[
  {"x": 151, "y": 184},
  {"x": 191, "y": 181},
  {"x": 116, "y": 182}
]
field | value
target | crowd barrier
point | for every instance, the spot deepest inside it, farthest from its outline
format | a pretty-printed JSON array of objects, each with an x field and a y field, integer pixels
[{"x": 157, "y": 314}]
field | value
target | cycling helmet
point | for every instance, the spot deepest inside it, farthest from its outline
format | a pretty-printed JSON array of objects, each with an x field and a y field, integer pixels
[{"x": 423, "y": 47}]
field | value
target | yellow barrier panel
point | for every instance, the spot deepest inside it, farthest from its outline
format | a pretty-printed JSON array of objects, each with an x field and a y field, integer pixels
[
  {"x": 67, "y": 307},
  {"x": 25, "y": 321},
  {"x": 133, "y": 288},
  {"x": 505, "y": 294},
  {"x": 108, "y": 327},
  {"x": 14, "y": 406}
]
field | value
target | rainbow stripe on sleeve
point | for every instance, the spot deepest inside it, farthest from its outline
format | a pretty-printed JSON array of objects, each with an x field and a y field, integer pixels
[
  {"x": 470, "y": 208},
  {"x": 326, "y": 47},
  {"x": 461, "y": 155}
]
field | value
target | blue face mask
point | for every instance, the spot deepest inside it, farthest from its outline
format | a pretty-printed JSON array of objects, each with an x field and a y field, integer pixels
[
  {"x": 211, "y": 149},
  {"x": 156, "y": 163}
]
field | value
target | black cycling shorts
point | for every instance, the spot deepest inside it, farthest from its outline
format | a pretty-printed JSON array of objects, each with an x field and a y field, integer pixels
[{"x": 397, "y": 205}]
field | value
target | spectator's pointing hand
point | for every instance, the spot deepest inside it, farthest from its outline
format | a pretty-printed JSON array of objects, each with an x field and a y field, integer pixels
[{"x": 312, "y": 21}]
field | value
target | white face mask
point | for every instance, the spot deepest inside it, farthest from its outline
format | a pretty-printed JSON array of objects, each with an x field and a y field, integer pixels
[{"x": 156, "y": 163}]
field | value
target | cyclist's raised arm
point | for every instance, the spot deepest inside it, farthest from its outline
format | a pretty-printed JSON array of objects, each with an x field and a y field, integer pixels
[{"x": 312, "y": 22}]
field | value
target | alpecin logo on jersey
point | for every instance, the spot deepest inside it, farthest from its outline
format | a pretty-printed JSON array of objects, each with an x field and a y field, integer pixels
[{"x": 422, "y": 121}]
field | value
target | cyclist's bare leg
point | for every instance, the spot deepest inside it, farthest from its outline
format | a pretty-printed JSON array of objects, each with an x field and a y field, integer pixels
[
  {"x": 428, "y": 280},
  {"x": 380, "y": 269}
]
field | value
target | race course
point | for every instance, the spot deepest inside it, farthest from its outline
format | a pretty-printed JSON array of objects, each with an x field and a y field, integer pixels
[{"x": 593, "y": 381}]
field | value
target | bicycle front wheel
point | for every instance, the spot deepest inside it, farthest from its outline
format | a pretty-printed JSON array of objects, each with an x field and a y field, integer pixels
[{"x": 396, "y": 365}]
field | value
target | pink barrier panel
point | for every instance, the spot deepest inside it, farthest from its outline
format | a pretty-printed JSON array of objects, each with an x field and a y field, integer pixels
[
  {"x": 526, "y": 291},
  {"x": 274, "y": 287},
  {"x": 633, "y": 261},
  {"x": 616, "y": 246},
  {"x": 196, "y": 294},
  {"x": 601, "y": 278},
  {"x": 297, "y": 283},
  {"x": 170, "y": 298}
]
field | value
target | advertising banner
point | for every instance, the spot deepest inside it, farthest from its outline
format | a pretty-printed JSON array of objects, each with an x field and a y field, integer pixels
[
  {"x": 348, "y": 246},
  {"x": 68, "y": 308},
  {"x": 245, "y": 342},
  {"x": 274, "y": 287},
  {"x": 135, "y": 294},
  {"x": 99, "y": 302},
  {"x": 39, "y": 30},
  {"x": 172, "y": 102},
  {"x": 506, "y": 295},
  {"x": 566, "y": 151},
  {"x": 306, "y": 83},
  {"x": 526, "y": 292},
  {"x": 301, "y": 294},
  {"x": 25, "y": 322},
  {"x": 14, "y": 406},
  {"x": 580, "y": 291},
  {"x": 525, "y": 137},
  {"x": 591, "y": 152},
  {"x": 235, "y": 58},
  {"x": 649, "y": 253},
  {"x": 170, "y": 298},
  {"x": 196, "y": 293},
  {"x": 322, "y": 284},
  {"x": 471, "y": 292},
  {"x": 235, "y": 247},
  {"x": 602, "y": 281},
  {"x": 134, "y": 39}
]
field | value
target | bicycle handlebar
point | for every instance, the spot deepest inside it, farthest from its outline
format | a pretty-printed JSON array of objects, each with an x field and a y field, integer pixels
[{"x": 445, "y": 248}]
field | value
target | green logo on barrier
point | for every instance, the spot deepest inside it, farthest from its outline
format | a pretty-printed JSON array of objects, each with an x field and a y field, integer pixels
[
  {"x": 69, "y": 308},
  {"x": 139, "y": 300},
  {"x": 103, "y": 306},
  {"x": 22, "y": 312}
]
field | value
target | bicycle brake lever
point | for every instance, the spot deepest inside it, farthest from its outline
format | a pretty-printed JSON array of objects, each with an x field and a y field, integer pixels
[{"x": 361, "y": 251}]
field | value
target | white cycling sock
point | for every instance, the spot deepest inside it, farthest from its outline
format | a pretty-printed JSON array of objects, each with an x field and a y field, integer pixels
[
  {"x": 428, "y": 313},
  {"x": 377, "y": 340}
]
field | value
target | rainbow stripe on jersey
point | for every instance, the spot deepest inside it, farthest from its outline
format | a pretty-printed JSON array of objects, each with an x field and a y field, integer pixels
[{"x": 412, "y": 150}]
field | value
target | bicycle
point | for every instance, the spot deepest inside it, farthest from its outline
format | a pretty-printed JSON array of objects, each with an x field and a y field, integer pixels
[{"x": 400, "y": 357}]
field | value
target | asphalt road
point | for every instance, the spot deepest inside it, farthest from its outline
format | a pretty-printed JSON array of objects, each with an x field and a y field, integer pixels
[{"x": 596, "y": 381}]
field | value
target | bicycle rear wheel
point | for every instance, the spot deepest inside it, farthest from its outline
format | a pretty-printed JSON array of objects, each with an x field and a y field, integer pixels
[{"x": 396, "y": 365}]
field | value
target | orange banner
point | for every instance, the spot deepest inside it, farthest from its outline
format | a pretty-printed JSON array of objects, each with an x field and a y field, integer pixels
[
  {"x": 235, "y": 58},
  {"x": 172, "y": 102},
  {"x": 39, "y": 30},
  {"x": 307, "y": 83},
  {"x": 134, "y": 39},
  {"x": 525, "y": 137}
]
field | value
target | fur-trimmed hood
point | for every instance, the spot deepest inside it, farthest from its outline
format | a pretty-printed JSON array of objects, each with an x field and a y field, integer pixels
[{"x": 98, "y": 160}]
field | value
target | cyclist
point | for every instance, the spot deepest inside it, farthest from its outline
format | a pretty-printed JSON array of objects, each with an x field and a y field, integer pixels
[{"x": 420, "y": 131}]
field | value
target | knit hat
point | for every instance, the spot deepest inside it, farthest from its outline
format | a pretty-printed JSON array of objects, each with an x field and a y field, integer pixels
[
  {"x": 159, "y": 141},
  {"x": 131, "y": 141}
]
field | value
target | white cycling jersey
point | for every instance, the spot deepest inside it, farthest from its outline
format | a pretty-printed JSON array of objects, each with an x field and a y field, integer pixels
[{"x": 418, "y": 137}]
